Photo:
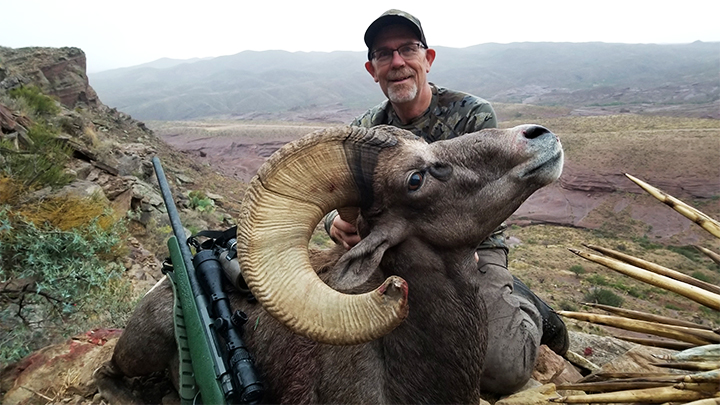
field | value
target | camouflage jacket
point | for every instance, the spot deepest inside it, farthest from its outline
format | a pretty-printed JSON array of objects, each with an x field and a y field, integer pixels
[{"x": 451, "y": 113}]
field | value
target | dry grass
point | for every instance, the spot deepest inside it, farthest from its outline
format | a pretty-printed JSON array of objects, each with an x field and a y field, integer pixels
[
  {"x": 527, "y": 113},
  {"x": 10, "y": 190},
  {"x": 248, "y": 130},
  {"x": 686, "y": 147},
  {"x": 543, "y": 261},
  {"x": 67, "y": 213}
]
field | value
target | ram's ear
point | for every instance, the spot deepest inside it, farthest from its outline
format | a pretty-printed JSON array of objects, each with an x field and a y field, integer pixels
[{"x": 359, "y": 263}]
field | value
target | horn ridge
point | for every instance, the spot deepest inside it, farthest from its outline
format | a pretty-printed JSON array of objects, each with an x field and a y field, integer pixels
[{"x": 288, "y": 197}]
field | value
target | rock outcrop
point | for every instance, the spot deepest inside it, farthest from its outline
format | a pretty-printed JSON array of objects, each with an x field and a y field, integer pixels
[
  {"x": 590, "y": 199},
  {"x": 58, "y": 72},
  {"x": 111, "y": 158}
]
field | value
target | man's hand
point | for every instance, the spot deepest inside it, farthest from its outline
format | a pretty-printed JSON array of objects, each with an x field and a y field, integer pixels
[{"x": 344, "y": 232}]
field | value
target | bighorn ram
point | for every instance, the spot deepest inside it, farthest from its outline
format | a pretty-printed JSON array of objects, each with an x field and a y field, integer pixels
[{"x": 417, "y": 338}]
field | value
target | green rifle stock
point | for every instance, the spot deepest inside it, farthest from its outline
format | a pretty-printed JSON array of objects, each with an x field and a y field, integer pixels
[{"x": 193, "y": 322}]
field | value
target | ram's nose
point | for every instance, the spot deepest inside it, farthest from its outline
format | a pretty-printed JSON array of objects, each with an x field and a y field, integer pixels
[{"x": 534, "y": 131}]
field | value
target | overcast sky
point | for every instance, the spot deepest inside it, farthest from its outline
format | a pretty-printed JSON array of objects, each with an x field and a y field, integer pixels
[{"x": 126, "y": 33}]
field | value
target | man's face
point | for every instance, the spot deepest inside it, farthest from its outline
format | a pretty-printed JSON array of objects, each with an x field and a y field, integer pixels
[{"x": 400, "y": 79}]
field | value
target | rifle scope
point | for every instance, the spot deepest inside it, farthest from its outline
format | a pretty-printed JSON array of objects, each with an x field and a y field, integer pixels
[{"x": 210, "y": 276}]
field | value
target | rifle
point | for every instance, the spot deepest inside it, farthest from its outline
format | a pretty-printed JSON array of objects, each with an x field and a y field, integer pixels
[{"x": 217, "y": 373}]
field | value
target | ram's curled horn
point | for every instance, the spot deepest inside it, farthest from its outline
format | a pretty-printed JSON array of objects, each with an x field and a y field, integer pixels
[
  {"x": 290, "y": 194},
  {"x": 689, "y": 212},
  {"x": 625, "y": 381},
  {"x": 706, "y": 401},
  {"x": 644, "y": 316},
  {"x": 696, "y": 336},
  {"x": 699, "y": 295},
  {"x": 709, "y": 253},
  {"x": 655, "y": 342},
  {"x": 680, "y": 392},
  {"x": 655, "y": 268},
  {"x": 700, "y": 353}
]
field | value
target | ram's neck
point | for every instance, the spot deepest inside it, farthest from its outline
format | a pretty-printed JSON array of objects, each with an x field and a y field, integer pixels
[{"x": 436, "y": 354}]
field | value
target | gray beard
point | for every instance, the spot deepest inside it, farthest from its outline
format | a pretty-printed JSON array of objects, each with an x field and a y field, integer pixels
[{"x": 402, "y": 94}]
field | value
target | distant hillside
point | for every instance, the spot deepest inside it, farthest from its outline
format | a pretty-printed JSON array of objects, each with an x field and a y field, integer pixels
[{"x": 633, "y": 77}]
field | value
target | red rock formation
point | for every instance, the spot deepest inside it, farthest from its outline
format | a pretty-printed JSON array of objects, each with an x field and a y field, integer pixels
[{"x": 59, "y": 72}]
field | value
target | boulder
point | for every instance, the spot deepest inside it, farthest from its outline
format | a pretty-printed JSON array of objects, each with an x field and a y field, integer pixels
[
  {"x": 59, "y": 72},
  {"x": 59, "y": 371}
]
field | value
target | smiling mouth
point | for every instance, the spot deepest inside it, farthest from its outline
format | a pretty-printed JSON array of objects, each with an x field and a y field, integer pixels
[
  {"x": 400, "y": 76},
  {"x": 398, "y": 80}
]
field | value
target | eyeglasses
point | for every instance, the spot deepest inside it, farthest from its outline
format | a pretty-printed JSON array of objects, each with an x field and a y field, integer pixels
[{"x": 408, "y": 51}]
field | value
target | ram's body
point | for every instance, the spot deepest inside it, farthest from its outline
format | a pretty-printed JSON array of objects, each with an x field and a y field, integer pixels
[{"x": 418, "y": 338}]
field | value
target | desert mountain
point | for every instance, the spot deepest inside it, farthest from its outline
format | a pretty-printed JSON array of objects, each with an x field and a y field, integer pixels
[{"x": 678, "y": 79}]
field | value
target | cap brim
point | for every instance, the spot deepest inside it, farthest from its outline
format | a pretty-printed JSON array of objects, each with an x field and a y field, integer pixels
[{"x": 386, "y": 20}]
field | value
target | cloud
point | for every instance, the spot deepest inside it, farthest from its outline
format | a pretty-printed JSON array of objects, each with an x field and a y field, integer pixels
[{"x": 134, "y": 32}]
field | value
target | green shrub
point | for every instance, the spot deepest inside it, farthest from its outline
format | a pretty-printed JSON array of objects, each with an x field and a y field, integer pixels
[
  {"x": 577, "y": 269},
  {"x": 688, "y": 251},
  {"x": 710, "y": 315},
  {"x": 636, "y": 292},
  {"x": 55, "y": 282},
  {"x": 597, "y": 279},
  {"x": 702, "y": 276},
  {"x": 39, "y": 103},
  {"x": 566, "y": 305},
  {"x": 201, "y": 202},
  {"x": 646, "y": 244},
  {"x": 604, "y": 296},
  {"x": 619, "y": 285},
  {"x": 42, "y": 164}
]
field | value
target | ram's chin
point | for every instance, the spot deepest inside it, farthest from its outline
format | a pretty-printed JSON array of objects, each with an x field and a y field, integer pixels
[{"x": 543, "y": 171}]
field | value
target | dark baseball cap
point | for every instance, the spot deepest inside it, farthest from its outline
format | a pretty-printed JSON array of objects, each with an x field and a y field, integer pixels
[{"x": 391, "y": 17}]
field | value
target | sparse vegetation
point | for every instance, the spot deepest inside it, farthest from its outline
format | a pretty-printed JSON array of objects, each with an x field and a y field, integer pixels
[
  {"x": 636, "y": 292},
  {"x": 567, "y": 292},
  {"x": 38, "y": 103},
  {"x": 577, "y": 269},
  {"x": 59, "y": 256},
  {"x": 54, "y": 281},
  {"x": 566, "y": 305},
  {"x": 710, "y": 315},
  {"x": 646, "y": 244},
  {"x": 597, "y": 279},
  {"x": 42, "y": 164},
  {"x": 702, "y": 276},
  {"x": 687, "y": 251},
  {"x": 199, "y": 201},
  {"x": 604, "y": 296}
]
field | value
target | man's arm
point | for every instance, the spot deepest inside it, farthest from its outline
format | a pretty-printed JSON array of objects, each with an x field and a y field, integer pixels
[{"x": 340, "y": 231}]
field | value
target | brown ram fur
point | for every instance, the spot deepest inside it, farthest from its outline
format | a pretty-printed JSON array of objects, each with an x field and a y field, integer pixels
[
  {"x": 299, "y": 378},
  {"x": 435, "y": 355}
]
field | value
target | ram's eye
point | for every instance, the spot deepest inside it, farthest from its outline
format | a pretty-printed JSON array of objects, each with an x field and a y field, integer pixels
[{"x": 415, "y": 181}]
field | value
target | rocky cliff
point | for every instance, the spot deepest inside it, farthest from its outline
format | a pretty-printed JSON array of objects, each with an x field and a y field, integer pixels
[
  {"x": 59, "y": 72},
  {"x": 110, "y": 159},
  {"x": 110, "y": 148}
]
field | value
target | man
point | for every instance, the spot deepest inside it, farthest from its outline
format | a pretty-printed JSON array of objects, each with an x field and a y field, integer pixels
[{"x": 518, "y": 321}]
